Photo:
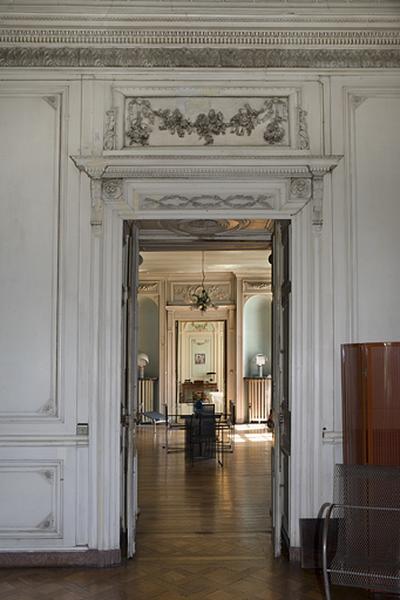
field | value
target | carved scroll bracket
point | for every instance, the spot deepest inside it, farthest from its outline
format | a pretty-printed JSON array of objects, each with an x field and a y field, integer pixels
[
  {"x": 94, "y": 170},
  {"x": 317, "y": 203},
  {"x": 104, "y": 191},
  {"x": 96, "y": 217},
  {"x": 318, "y": 171}
]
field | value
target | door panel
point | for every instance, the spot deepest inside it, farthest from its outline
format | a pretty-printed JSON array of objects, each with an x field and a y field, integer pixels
[
  {"x": 129, "y": 395},
  {"x": 280, "y": 387}
]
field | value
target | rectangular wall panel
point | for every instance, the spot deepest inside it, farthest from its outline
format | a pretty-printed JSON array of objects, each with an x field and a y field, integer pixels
[
  {"x": 29, "y": 221},
  {"x": 376, "y": 172},
  {"x": 30, "y": 498}
]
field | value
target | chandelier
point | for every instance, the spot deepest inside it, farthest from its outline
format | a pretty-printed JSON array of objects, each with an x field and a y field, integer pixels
[{"x": 202, "y": 299}]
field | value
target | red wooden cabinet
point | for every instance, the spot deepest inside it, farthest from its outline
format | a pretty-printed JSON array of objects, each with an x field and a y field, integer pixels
[{"x": 371, "y": 403}]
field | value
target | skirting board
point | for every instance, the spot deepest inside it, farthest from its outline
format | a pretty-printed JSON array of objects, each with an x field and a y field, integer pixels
[{"x": 88, "y": 558}]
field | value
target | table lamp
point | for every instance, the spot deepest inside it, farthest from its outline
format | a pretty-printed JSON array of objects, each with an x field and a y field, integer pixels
[{"x": 260, "y": 362}]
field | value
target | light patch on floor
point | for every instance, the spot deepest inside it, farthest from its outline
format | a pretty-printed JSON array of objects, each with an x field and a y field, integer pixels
[{"x": 252, "y": 432}]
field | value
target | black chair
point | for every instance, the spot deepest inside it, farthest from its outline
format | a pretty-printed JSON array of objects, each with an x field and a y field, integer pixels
[
  {"x": 365, "y": 518},
  {"x": 201, "y": 438},
  {"x": 226, "y": 429}
]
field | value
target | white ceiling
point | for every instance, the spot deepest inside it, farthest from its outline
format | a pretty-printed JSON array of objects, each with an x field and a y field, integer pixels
[{"x": 216, "y": 261}]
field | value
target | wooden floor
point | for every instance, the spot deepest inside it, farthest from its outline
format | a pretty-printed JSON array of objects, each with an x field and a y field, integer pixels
[{"x": 203, "y": 533}]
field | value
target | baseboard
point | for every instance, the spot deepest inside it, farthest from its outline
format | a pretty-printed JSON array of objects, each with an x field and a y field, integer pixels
[{"x": 86, "y": 558}]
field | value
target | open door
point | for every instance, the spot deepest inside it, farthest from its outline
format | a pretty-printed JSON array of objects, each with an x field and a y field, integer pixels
[
  {"x": 129, "y": 507},
  {"x": 281, "y": 306}
]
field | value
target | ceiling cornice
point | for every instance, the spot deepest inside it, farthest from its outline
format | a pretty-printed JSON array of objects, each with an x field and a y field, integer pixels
[
  {"x": 347, "y": 36},
  {"x": 189, "y": 58}
]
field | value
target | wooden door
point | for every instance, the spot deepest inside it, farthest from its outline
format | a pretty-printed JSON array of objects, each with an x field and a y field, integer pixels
[
  {"x": 129, "y": 396},
  {"x": 281, "y": 307}
]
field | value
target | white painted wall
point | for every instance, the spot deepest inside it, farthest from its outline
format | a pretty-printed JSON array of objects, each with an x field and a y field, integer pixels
[
  {"x": 346, "y": 279},
  {"x": 148, "y": 341},
  {"x": 376, "y": 156},
  {"x": 29, "y": 255},
  {"x": 43, "y": 463},
  {"x": 256, "y": 334}
]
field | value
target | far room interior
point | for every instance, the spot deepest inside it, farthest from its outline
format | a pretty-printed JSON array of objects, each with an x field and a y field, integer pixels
[
  {"x": 204, "y": 333},
  {"x": 214, "y": 354}
]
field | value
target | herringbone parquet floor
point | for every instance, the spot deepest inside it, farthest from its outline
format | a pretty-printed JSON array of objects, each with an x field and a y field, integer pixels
[{"x": 203, "y": 533}]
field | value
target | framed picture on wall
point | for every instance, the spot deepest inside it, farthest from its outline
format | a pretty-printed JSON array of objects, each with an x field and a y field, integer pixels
[{"x": 200, "y": 359}]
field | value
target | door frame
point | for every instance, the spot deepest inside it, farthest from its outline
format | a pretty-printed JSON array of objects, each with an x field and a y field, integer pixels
[
  {"x": 176, "y": 314},
  {"x": 295, "y": 187}
]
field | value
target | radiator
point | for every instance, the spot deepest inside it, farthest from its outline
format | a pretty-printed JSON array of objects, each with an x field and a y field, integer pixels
[
  {"x": 258, "y": 393},
  {"x": 145, "y": 395}
]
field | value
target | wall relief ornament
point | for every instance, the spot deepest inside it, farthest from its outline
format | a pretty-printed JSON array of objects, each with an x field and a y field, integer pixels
[
  {"x": 209, "y": 201},
  {"x": 184, "y": 293},
  {"x": 51, "y": 101},
  {"x": 112, "y": 189},
  {"x": 303, "y": 140},
  {"x": 48, "y": 523},
  {"x": 142, "y": 120},
  {"x": 109, "y": 138},
  {"x": 300, "y": 188},
  {"x": 148, "y": 287},
  {"x": 48, "y": 409},
  {"x": 357, "y": 100},
  {"x": 257, "y": 286},
  {"x": 47, "y": 475}
]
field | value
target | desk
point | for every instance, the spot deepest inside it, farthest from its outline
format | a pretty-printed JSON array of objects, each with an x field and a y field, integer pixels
[{"x": 197, "y": 390}]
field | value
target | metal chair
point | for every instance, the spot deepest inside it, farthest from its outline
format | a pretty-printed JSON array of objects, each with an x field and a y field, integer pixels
[
  {"x": 365, "y": 517},
  {"x": 201, "y": 439}
]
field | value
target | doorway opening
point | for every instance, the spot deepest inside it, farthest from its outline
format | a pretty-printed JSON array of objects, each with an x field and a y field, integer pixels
[
  {"x": 208, "y": 348},
  {"x": 200, "y": 365}
]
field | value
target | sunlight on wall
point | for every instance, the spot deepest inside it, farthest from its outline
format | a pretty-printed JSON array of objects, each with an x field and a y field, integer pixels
[
  {"x": 149, "y": 334},
  {"x": 256, "y": 334}
]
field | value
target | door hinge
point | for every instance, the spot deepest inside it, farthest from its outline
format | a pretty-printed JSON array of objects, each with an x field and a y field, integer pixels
[{"x": 128, "y": 421}]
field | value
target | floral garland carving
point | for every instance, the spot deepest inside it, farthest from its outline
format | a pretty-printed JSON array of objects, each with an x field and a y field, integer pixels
[{"x": 142, "y": 118}]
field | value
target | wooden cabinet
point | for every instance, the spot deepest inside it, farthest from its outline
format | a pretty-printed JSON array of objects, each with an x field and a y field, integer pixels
[{"x": 371, "y": 403}]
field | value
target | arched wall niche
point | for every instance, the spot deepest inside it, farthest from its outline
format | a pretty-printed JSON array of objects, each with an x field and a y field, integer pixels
[
  {"x": 148, "y": 340},
  {"x": 257, "y": 333}
]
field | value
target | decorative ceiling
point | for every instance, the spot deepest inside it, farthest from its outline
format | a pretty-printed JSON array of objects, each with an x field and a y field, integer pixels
[
  {"x": 233, "y": 245},
  {"x": 215, "y": 261},
  {"x": 205, "y": 233}
]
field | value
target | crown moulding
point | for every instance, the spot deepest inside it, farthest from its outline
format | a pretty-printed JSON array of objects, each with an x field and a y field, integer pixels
[
  {"x": 173, "y": 165},
  {"x": 157, "y": 35}
]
